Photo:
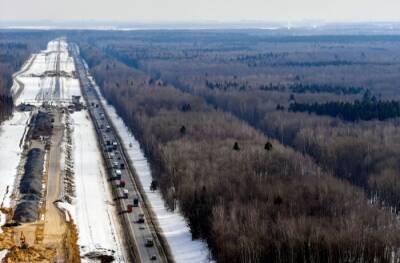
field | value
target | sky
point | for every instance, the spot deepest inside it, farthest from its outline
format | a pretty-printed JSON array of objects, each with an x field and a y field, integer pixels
[{"x": 195, "y": 10}]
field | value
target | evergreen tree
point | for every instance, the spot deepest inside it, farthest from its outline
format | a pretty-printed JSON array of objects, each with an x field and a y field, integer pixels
[
  {"x": 268, "y": 146},
  {"x": 183, "y": 130},
  {"x": 280, "y": 107},
  {"x": 153, "y": 185},
  {"x": 236, "y": 146},
  {"x": 186, "y": 107}
]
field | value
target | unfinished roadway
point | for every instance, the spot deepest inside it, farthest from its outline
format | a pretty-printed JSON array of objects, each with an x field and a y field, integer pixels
[{"x": 49, "y": 231}]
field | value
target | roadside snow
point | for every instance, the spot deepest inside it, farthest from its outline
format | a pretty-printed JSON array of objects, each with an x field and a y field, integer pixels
[
  {"x": 173, "y": 224},
  {"x": 94, "y": 212},
  {"x": 11, "y": 136},
  {"x": 3, "y": 254}
]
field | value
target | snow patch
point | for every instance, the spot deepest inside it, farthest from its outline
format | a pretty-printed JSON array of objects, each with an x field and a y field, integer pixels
[
  {"x": 12, "y": 134},
  {"x": 93, "y": 212}
]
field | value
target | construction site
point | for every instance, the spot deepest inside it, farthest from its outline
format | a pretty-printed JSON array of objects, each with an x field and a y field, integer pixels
[
  {"x": 38, "y": 208},
  {"x": 36, "y": 230}
]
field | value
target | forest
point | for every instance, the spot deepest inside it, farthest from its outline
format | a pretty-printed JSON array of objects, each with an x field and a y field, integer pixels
[
  {"x": 295, "y": 87},
  {"x": 366, "y": 109},
  {"x": 15, "y": 48},
  {"x": 262, "y": 183}
]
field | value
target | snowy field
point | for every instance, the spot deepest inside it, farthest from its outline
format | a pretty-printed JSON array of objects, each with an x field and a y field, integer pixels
[
  {"x": 12, "y": 133},
  {"x": 33, "y": 84},
  {"x": 173, "y": 224},
  {"x": 69, "y": 87},
  {"x": 93, "y": 210}
]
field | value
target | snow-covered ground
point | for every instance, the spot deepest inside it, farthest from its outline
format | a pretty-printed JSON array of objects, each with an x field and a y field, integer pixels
[
  {"x": 93, "y": 210},
  {"x": 12, "y": 133},
  {"x": 32, "y": 83},
  {"x": 69, "y": 87},
  {"x": 173, "y": 224}
]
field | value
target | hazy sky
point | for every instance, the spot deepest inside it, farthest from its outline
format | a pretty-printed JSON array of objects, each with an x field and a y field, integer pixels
[{"x": 186, "y": 10}]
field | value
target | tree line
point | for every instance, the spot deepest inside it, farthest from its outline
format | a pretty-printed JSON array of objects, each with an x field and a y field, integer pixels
[
  {"x": 229, "y": 85},
  {"x": 6, "y": 106},
  {"x": 316, "y": 88},
  {"x": 15, "y": 48},
  {"x": 352, "y": 111},
  {"x": 225, "y": 85}
]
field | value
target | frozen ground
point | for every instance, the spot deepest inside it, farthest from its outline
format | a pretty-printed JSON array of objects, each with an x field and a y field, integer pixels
[
  {"x": 93, "y": 211},
  {"x": 11, "y": 136},
  {"x": 36, "y": 82},
  {"x": 173, "y": 224}
]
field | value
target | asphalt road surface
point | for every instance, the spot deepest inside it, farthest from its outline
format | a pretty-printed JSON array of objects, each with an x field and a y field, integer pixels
[{"x": 144, "y": 243}]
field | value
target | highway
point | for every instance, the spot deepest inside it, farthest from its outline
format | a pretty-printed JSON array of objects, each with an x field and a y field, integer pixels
[{"x": 141, "y": 237}]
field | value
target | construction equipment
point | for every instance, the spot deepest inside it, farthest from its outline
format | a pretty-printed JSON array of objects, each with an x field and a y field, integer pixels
[{"x": 22, "y": 240}]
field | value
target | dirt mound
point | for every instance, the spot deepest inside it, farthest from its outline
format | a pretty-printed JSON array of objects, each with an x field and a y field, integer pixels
[
  {"x": 32, "y": 254},
  {"x": 100, "y": 256},
  {"x": 30, "y": 187},
  {"x": 31, "y": 181},
  {"x": 42, "y": 125},
  {"x": 26, "y": 211},
  {"x": 72, "y": 254}
]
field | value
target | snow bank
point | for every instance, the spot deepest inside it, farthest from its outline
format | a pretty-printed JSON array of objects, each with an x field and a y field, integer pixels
[
  {"x": 93, "y": 211},
  {"x": 173, "y": 224},
  {"x": 11, "y": 140}
]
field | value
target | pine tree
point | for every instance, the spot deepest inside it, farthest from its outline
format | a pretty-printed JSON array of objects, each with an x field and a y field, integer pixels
[
  {"x": 183, "y": 130},
  {"x": 268, "y": 146},
  {"x": 153, "y": 185},
  {"x": 236, "y": 146}
]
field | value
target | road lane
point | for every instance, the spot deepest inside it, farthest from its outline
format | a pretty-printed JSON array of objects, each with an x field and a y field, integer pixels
[{"x": 137, "y": 233}]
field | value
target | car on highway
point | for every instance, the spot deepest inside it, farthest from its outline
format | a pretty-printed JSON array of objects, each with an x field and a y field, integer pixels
[
  {"x": 141, "y": 219},
  {"x": 114, "y": 144},
  {"x": 135, "y": 202},
  {"x": 149, "y": 242}
]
